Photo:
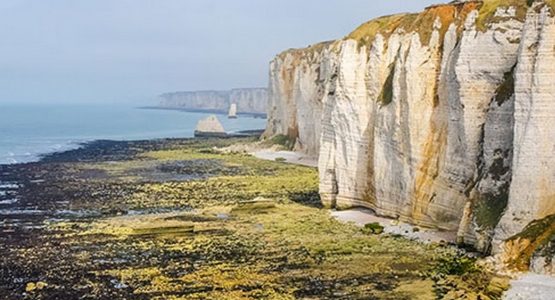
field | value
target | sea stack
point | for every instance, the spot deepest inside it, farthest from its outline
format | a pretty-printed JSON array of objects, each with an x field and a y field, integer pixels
[
  {"x": 232, "y": 114},
  {"x": 210, "y": 127}
]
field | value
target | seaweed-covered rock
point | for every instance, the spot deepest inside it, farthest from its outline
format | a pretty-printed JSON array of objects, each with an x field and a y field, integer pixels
[{"x": 373, "y": 228}]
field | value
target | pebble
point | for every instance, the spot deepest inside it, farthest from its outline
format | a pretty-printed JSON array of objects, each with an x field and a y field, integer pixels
[{"x": 32, "y": 286}]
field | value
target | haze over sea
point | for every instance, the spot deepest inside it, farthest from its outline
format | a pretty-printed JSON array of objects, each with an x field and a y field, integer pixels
[{"x": 28, "y": 131}]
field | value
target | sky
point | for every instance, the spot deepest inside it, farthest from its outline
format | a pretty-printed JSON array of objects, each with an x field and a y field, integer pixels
[{"x": 87, "y": 51}]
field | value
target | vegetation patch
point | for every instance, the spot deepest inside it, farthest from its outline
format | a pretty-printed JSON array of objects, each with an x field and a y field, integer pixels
[
  {"x": 551, "y": 4},
  {"x": 421, "y": 23},
  {"x": 309, "y": 52},
  {"x": 254, "y": 207},
  {"x": 458, "y": 277},
  {"x": 507, "y": 88},
  {"x": 373, "y": 228},
  {"x": 534, "y": 237},
  {"x": 457, "y": 265},
  {"x": 386, "y": 95},
  {"x": 489, "y": 8},
  {"x": 453, "y": 13},
  {"x": 367, "y": 32},
  {"x": 489, "y": 208},
  {"x": 285, "y": 141}
]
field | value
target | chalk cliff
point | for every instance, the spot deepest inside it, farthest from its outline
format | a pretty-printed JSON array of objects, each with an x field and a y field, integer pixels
[
  {"x": 249, "y": 101},
  {"x": 444, "y": 118}
]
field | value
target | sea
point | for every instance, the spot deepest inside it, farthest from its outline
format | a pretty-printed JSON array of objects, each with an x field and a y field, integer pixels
[{"x": 28, "y": 131}]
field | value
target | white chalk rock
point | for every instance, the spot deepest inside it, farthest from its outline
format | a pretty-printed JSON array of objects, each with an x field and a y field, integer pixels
[{"x": 210, "y": 127}]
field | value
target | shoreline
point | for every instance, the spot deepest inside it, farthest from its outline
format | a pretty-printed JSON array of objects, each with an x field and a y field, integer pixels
[
  {"x": 27, "y": 158},
  {"x": 73, "y": 148},
  {"x": 208, "y": 111},
  {"x": 31, "y": 132}
]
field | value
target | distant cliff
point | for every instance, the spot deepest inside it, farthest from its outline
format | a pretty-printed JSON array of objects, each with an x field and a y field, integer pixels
[
  {"x": 444, "y": 118},
  {"x": 249, "y": 101}
]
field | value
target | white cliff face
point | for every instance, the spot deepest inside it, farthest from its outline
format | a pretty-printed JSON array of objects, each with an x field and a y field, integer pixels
[
  {"x": 532, "y": 192},
  {"x": 249, "y": 101},
  {"x": 441, "y": 119},
  {"x": 480, "y": 126},
  {"x": 295, "y": 96},
  {"x": 252, "y": 101},
  {"x": 415, "y": 154},
  {"x": 343, "y": 149}
]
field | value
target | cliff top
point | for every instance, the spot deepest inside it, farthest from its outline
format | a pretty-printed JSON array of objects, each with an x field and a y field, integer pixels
[
  {"x": 424, "y": 22},
  {"x": 454, "y": 12},
  {"x": 311, "y": 48}
]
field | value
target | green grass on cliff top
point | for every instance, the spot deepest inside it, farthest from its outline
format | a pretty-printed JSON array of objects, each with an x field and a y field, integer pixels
[
  {"x": 423, "y": 22},
  {"x": 489, "y": 7}
]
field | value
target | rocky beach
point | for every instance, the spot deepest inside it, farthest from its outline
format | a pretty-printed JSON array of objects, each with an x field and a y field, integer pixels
[
  {"x": 412, "y": 158},
  {"x": 188, "y": 219}
]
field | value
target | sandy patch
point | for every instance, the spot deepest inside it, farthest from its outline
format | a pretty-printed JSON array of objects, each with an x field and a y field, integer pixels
[
  {"x": 361, "y": 216},
  {"x": 531, "y": 287},
  {"x": 262, "y": 151},
  {"x": 289, "y": 156}
]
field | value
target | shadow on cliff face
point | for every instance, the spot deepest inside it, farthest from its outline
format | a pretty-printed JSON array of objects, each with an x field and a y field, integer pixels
[{"x": 311, "y": 199}]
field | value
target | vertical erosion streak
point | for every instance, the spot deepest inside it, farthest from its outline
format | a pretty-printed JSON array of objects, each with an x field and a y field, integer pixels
[
  {"x": 435, "y": 145},
  {"x": 428, "y": 170},
  {"x": 289, "y": 81}
]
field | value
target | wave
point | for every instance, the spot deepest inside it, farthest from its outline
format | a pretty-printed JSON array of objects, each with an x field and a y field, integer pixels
[{"x": 45, "y": 148}]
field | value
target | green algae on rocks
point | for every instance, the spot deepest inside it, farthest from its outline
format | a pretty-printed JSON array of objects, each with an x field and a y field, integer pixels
[{"x": 161, "y": 225}]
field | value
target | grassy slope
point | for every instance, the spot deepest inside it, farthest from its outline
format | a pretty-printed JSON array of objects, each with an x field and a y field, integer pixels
[{"x": 423, "y": 22}]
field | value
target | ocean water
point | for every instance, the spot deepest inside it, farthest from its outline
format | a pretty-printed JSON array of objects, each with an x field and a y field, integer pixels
[{"x": 28, "y": 131}]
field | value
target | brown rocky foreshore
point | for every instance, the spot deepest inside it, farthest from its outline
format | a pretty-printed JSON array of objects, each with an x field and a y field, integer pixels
[{"x": 178, "y": 219}]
